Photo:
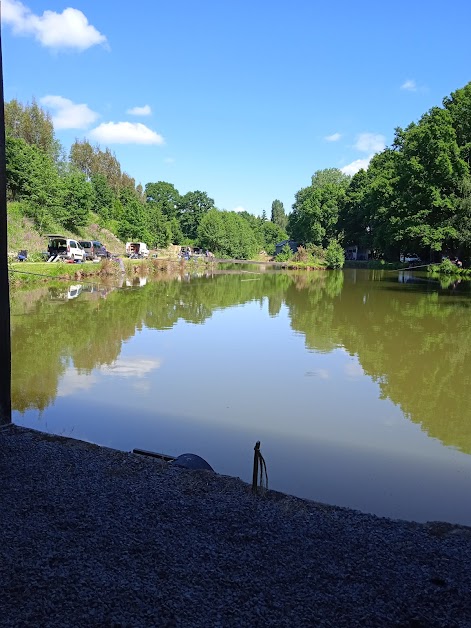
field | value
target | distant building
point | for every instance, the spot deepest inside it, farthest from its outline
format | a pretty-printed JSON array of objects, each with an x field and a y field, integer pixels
[
  {"x": 291, "y": 243},
  {"x": 357, "y": 253}
]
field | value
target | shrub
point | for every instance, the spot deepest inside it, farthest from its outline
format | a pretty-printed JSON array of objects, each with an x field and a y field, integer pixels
[
  {"x": 334, "y": 255},
  {"x": 286, "y": 254},
  {"x": 447, "y": 268}
]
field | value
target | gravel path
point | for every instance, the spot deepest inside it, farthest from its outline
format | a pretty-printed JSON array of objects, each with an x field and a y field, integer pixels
[{"x": 97, "y": 537}]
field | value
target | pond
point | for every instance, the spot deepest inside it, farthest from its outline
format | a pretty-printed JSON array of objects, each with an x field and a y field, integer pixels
[{"x": 357, "y": 383}]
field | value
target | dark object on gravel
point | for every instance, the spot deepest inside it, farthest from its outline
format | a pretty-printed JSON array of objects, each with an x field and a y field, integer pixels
[{"x": 192, "y": 461}]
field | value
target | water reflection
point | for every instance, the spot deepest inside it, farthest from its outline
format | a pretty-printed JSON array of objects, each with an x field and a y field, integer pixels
[{"x": 354, "y": 381}]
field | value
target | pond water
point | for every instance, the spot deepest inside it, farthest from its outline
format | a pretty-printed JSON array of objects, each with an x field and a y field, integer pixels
[{"x": 357, "y": 383}]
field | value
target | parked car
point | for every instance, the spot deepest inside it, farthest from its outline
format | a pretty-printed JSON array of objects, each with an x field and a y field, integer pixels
[
  {"x": 409, "y": 258},
  {"x": 136, "y": 250},
  {"x": 94, "y": 249},
  {"x": 63, "y": 248}
]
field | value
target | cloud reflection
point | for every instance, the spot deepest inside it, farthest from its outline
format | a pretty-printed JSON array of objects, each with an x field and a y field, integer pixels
[
  {"x": 353, "y": 369},
  {"x": 131, "y": 367}
]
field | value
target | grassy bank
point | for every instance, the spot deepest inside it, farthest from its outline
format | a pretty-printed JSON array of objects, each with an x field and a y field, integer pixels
[{"x": 37, "y": 272}]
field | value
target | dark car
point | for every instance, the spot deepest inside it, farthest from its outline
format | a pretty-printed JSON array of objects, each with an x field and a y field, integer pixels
[{"x": 94, "y": 249}]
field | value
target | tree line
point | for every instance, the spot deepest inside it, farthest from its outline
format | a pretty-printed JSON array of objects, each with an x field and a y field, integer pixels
[
  {"x": 414, "y": 196},
  {"x": 57, "y": 190}
]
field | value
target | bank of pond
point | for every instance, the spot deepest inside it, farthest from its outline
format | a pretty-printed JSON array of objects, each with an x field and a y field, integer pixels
[{"x": 32, "y": 272}]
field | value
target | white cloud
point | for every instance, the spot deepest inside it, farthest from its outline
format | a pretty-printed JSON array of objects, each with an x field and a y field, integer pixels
[
  {"x": 125, "y": 133},
  {"x": 333, "y": 138},
  {"x": 69, "y": 29},
  {"x": 68, "y": 115},
  {"x": 366, "y": 143},
  {"x": 356, "y": 165},
  {"x": 140, "y": 111},
  {"x": 239, "y": 209},
  {"x": 370, "y": 142},
  {"x": 409, "y": 85}
]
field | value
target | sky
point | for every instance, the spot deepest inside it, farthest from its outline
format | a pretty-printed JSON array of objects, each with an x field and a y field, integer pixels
[{"x": 241, "y": 99}]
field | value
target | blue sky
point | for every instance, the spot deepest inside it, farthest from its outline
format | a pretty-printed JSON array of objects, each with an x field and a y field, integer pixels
[{"x": 244, "y": 100}]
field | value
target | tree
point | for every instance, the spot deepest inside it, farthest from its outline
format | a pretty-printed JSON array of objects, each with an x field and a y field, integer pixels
[
  {"x": 316, "y": 208},
  {"x": 278, "y": 216},
  {"x": 82, "y": 157},
  {"x": 77, "y": 199},
  {"x": 335, "y": 255},
  {"x": 32, "y": 124},
  {"x": 329, "y": 176},
  {"x": 227, "y": 234},
  {"x": 211, "y": 231},
  {"x": 431, "y": 173},
  {"x": 103, "y": 197},
  {"x": 165, "y": 195},
  {"x": 271, "y": 234},
  {"x": 32, "y": 177},
  {"x": 459, "y": 106},
  {"x": 354, "y": 221},
  {"x": 192, "y": 207},
  {"x": 133, "y": 224}
]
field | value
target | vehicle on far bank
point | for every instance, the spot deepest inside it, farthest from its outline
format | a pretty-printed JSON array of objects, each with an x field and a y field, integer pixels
[
  {"x": 61, "y": 248},
  {"x": 137, "y": 250},
  {"x": 95, "y": 250},
  {"x": 410, "y": 258}
]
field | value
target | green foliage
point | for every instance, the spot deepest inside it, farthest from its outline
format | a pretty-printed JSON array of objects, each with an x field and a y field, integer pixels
[
  {"x": 165, "y": 196},
  {"x": 227, "y": 234},
  {"x": 316, "y": 208},
  {"x": 77, "y": 199},
  {"x": 192, "y": 207},
  {"x": 446, "y": 267},
  {"x": 335, "y": 255},
  {"x": 278, "y": 216},
  {"x": 32, "y": 124},
  {"x": 330, "y": 176},
  {"x": 269, "y": 235},
  {"x": 286, "y": 254},
  {"x": 103, "y": 197}
]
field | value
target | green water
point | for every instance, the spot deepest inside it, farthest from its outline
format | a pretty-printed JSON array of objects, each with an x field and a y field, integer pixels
[{"x": 357, "y": 383}]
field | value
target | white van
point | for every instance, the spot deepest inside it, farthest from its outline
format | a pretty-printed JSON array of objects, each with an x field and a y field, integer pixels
[
  {"x": 136, "y": 250},
  {"x": 63, "y": 248}
]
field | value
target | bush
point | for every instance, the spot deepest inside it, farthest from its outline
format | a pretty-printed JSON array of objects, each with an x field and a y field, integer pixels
[
  {"x": 447, "y": 268},
  {"x": 286, "y": 254},
  {"x": 334, "y": 255}
]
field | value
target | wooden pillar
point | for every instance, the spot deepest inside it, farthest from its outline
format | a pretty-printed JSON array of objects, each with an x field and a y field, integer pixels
[{"x": 5, "y": 342}]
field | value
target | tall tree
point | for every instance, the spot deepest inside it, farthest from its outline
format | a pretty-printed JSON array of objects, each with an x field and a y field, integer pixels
[
  {"x": 103, "y": 197},
  {"x": 431, "y": 173},
  {"x": 278, "y": 216},
  {"x": 459, "y": 106},
  {"x": 316, "y": 208},
  {"x": 193, "y": 206},
  {"x": 33, "y": 124},
  {"x": 329, "y": 176},
  {"x": 77, "y": 199},
  {"x": 165, "y": 195}
]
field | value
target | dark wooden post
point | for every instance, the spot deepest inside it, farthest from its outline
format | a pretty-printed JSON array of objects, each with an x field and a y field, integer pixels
[
  {"x": 255, "y": 466},
  {"x": 5, "y": 342}
]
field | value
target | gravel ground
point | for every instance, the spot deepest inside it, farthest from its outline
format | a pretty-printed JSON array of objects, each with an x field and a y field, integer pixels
[{"x": 97, "y": 537}]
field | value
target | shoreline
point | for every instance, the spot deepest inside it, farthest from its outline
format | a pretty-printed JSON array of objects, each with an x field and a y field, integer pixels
[{"x": 99, "y": 537}]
